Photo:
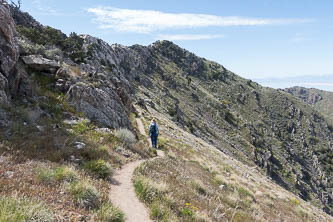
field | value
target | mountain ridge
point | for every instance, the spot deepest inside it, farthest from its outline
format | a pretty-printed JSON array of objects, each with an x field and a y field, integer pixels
[{"x": 287, "y": 139}]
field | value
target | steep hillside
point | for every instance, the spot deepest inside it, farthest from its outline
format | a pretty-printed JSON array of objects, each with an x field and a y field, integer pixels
[
  {"x": 321, "y": 100},
  {"x": 285, "y": 137},
  {"x": 64, "y": 99}
]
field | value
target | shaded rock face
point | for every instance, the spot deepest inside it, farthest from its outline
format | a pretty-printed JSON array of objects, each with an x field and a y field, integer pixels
[
  {"x": 101, "y": 105},
  {"x": 9, "y": 50},
  {"x": 3, "y": 88}
]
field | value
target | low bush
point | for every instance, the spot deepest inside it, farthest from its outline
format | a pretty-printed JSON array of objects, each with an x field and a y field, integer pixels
[
  {"x": 84, "y": 194},
  {"x": 99, "y": 168},
  {"x": 125, "y": 136},
  {"x": 21, "y": 210},
  {"x": 109, "y": 213}
]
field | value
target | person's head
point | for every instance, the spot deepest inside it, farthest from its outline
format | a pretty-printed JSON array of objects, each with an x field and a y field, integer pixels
[{"x": 153, "y": 120}]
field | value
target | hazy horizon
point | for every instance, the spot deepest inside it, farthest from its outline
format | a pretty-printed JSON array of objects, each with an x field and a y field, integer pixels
[{"x": 322, "y": 82}]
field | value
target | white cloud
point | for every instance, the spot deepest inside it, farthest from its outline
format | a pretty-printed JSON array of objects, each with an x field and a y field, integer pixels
[
  {"x": 147, "y": 21},
  {"x": 183, "y": 37}
]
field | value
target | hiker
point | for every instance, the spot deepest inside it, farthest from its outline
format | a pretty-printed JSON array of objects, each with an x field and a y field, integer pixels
[{"x": 153, "y": 132}]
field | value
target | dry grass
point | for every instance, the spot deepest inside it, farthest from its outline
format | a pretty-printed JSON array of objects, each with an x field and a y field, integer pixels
[{"x": 20, "y": 209}]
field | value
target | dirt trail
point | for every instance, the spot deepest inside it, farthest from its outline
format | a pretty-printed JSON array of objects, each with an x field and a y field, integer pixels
[
  {"x": 122, "y": 192},
  {"x": 123, "y": 195}
]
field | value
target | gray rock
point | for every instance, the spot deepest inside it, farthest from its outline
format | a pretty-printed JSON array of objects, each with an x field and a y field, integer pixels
[
  {"x": 9, "y": 50},
  {"x": 66, "y": 73},
  {"x": 79, "y": 145},
  {"x": 19, "y": 83},
  {"x": 103, "y": 106},
  {"x": 40, "y": 128},
  {"x": 40, "y": 63}
]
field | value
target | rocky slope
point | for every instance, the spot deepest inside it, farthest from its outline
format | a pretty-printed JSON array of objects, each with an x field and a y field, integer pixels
[
  {"x": 321, "y": 100},
  {"x": 285, "y": 137},
  {"x": 47, "y": 74}
]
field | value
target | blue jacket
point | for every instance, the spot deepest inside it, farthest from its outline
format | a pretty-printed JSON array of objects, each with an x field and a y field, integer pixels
[{"x": 151, "y": 127}]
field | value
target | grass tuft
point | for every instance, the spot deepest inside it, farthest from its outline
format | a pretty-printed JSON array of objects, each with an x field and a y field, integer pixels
[
  {"x": 99, "y": 168},
  {"x": 85, "y": 194},
  {"x": 159, "y": 212},
  {"x": 109, "y": 213},
  {"x": 65, "y": 174}
]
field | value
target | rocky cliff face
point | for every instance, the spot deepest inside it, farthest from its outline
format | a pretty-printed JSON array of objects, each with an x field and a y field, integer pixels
[
  {"x": 9, "y": 52},
  {"x": 287, "y": 138}
]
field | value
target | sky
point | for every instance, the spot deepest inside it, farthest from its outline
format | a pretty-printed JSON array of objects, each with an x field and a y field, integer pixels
[{"x": 256, "y": 39}]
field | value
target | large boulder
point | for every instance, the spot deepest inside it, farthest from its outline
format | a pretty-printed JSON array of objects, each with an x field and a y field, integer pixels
[
  {"x": 9, "y": 50},
  {"x": 38, "y": 62},
  {"x": 101, "y": 105}
]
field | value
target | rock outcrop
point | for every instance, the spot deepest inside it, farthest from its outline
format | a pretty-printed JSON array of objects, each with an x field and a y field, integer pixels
[
  {"x": 37, "y": 62},
  {"x": 9, "y": 51},
  {"x": 101, "y": 105}
]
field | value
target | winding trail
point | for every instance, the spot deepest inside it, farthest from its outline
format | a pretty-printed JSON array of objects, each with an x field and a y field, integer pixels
[{"x": 122, "y": 192}]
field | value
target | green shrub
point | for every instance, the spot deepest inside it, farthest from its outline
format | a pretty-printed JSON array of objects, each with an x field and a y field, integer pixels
[
  {"x": 44, "y": 36},
  {"x": 81, "y": 127},
  {"x": 108, "y": 213},
  {"x": 187, "y": 212},
  {"x": 125, "y": 136},
  {"x": 99, "y": 168},
  {"x": 13, "y": 209},
  {"x": 85, "y": 194}
]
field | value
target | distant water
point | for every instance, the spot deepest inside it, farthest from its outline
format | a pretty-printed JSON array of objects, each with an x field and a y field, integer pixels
[{"x": 324, "y": 82}]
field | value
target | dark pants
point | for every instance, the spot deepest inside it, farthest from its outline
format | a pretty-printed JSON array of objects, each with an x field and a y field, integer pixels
[{"x": 154, "y": 140}]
